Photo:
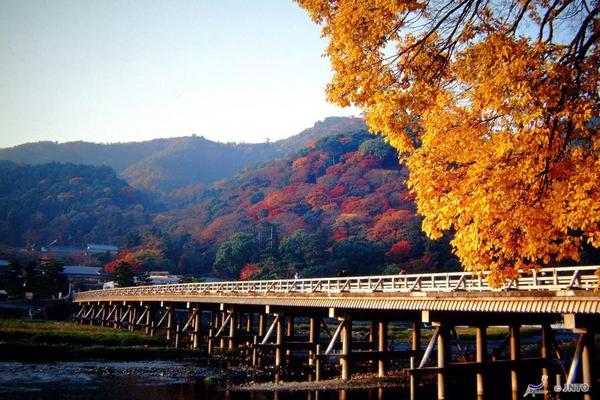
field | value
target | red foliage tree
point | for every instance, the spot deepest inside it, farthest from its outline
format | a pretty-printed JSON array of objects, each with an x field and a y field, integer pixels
[
  {"x": 248, "y": 270},
  {"x": 399, "y": 252}
]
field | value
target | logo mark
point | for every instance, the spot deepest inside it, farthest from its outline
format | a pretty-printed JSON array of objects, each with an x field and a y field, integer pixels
[{"x": 533, "y": 389}]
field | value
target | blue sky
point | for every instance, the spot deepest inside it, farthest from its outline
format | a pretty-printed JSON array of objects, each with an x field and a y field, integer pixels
[{"x": 114, "y": 71}]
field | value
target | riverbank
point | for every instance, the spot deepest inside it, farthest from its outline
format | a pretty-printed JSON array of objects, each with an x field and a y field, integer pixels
[
  {"x": 41, "y": 341},
  {"x": 357, "y": 382}
]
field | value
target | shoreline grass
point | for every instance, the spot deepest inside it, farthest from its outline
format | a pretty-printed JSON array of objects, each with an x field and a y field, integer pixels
[{"x": 31, "y": 340}]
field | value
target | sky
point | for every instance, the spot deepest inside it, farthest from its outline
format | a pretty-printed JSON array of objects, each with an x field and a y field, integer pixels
[{"x": 117, "y": 71}]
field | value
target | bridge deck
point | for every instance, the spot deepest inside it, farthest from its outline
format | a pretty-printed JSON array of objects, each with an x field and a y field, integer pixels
[{"x": 551, "y": 290}]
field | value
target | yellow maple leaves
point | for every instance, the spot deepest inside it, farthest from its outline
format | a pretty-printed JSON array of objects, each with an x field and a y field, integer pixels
[{"x": 498, "y": 124}]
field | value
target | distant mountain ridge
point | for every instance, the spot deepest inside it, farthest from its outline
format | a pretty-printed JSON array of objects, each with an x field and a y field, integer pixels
[{"x": 163, "y": 165}]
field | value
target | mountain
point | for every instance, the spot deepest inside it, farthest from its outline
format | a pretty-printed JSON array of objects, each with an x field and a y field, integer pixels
[
  {"x": 342, "y": 199},
  {"x": 164, "y": 165},
  {"x": 73, "y": 204}
]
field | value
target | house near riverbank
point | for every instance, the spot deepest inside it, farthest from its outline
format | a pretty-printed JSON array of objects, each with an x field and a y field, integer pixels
[
  {"x": 94, "y": 248},
  {"x": 83, "y": 277}
]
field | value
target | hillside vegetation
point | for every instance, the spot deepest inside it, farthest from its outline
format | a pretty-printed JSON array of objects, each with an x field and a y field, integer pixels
[
  {"x": 73, "y": 204},
  {"x": 339, "y": 203}
]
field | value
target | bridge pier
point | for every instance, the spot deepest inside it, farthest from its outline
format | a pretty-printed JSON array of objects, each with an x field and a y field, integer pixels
[
  {"x": 442, "y": 360},
  {"x": 196, "y": 324},
  {"x": 233, "y": 325},
  {"x": 313, "y": 338},
  {"x": 415, "y": 347},
  {"x": 382, "y": 344},
  {"x": 584, "y": 357},
  {"x": 170, "y": 317},
  {"x": 278, "y": 341},
  {"x": 131, "y": 316},
  {"x": 515, "y": 355},
  {"x": 480, "y": 357},
  {"x": 289, "y": 334},
  {"x": 346, "y": 355},
  {"x": 587, "y": 363},
  {"x": 545, "y": 334}
]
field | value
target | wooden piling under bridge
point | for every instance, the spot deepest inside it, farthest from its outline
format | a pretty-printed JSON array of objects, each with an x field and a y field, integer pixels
[{"x": 258, "y": 318}]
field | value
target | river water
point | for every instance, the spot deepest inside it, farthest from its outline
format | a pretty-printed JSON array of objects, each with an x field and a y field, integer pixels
[
  {"x": 150, "y": 381},
  {"x": 158, "y": 380}
]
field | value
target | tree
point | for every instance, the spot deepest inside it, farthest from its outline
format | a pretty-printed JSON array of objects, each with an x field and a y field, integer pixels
[
  {"x": 53, "y": 280},
  {"x": 11, "y": 280},
  {"x": 302, "y": 250},
  {"x": 491, "y": 106},
  {"x": 239, "y": 250},
  {"x": 123, "y": 275},
  {"x": 358, "y": 256}
]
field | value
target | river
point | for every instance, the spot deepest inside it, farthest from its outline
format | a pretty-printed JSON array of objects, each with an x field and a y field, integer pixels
[{"x": 149, "y": 381}]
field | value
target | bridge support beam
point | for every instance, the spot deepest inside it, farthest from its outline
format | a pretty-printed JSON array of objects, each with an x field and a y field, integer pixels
[
  {"x": 170, "y": 318},
  {"x": 278, "y": 341},
  {"x": 515, "y": 355},
  {"x": 233, "y": 324},
  {"x": 415, "y": 346},
  {"x": 346, "y": 356},
  {"x": 250, "y": 323},
  {"x": 132, "y": 314},
  {"x": 313, "y": 338},
  {"x": 585, "y": 326},
  {"x": 544, "y": 353},
  {"x": 480, "y": 357},
  {"x": 196, "y": 326},
  {"x": 117, "y": 316},
  {"x": 442, "y": 360},
  {"x": 587, "y": 362},
  {"x": 102, "y": 315},
  {"x": 382, "y": 344},
  {"x": 149, "y": 320}
]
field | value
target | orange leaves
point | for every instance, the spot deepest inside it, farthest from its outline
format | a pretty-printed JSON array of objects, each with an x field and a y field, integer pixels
[
  {"x": 399, "y": 252},
  {"x": 248, "y": 271},
  {"x": 499, "y": 130}
]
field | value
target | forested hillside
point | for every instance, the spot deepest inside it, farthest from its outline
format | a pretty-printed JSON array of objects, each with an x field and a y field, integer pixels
[
  {"x": 340, "y": 203},
  {"x": 72, "y": 203}
]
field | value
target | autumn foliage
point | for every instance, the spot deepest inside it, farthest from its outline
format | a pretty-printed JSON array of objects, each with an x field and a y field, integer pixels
[
  {"x": 127, "y": 258},
  {"x": 248, "y": 271},
  {"x": 333, "y": 203},
  {"x": 493, "y": 108}
]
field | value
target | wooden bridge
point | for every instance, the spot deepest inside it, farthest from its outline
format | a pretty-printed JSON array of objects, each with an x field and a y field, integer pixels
[{"x": 250, "y": 316}]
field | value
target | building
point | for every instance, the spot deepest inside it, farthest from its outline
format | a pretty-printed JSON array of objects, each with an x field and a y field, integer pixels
[
  {"x": 93, "y": 248},
  {"x": 62, "y": 250},
  {"x": 83, "y": 277},
  {"x": 161, "y": 278},
  {"x": 4, "y": 265}
]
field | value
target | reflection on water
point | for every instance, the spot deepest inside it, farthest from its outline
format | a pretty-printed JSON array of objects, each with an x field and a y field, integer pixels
[
  {"x": 180, "y": 381},
  {"x": 146, "y": 381}
]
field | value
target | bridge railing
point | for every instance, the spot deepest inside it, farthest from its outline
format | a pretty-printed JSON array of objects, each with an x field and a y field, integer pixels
[{"x": 546, "y": 279}]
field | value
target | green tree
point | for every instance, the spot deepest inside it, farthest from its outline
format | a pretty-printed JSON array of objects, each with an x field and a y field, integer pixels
[
  {"x": 45, "y": 280},
  {"x": 302, "y": 251},
  {"x": 123, "y": 276},
  {"x": 11, "y": 280},
  {"x": 379, "y": 149},
  {"x": 54, "y": 280},
  {"x": 358, "y": 256},
  {"x": 234, "y": 253},
  {"x": 132, "y": 239}
]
